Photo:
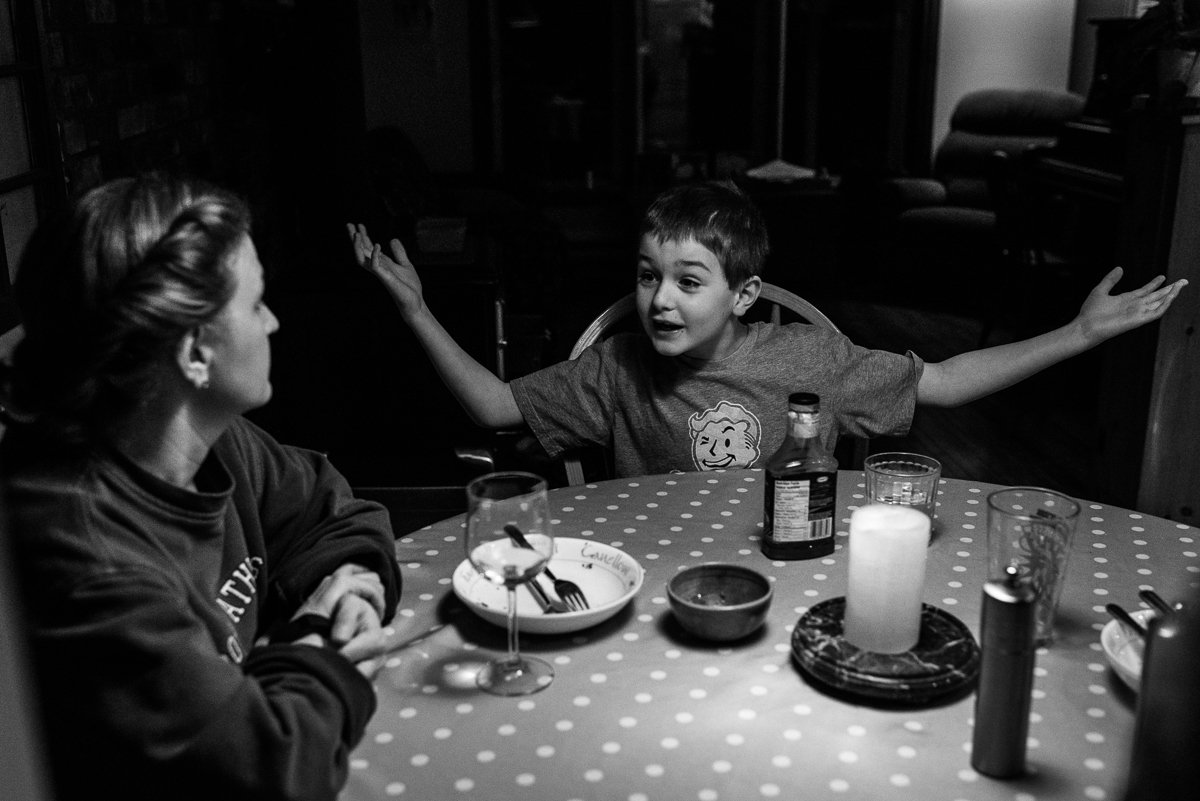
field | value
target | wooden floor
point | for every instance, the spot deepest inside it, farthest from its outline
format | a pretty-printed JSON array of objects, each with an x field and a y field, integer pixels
[{"x": 1040, "y": 432}]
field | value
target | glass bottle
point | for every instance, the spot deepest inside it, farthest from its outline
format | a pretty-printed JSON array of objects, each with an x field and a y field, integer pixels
[{"x": 801, "y": 491}]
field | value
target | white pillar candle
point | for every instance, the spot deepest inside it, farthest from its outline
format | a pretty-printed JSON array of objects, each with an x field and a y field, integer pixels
[{"x": 887, "y": 577}]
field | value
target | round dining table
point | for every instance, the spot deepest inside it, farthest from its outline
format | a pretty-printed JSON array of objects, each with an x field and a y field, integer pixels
[{"x": 640, "y": 711}]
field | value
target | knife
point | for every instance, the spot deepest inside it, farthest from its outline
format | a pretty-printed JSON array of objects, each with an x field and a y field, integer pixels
[{"x": 549, "y": 607}]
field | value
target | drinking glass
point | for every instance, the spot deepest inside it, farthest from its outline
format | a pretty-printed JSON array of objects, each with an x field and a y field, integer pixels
[
  {"x": 494, "y": 501},
  {"x": 1030, "y": 528},
  {"x": 906, "y": 479}
]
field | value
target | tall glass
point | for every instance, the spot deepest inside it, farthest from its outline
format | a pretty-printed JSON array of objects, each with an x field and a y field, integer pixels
[
  {"x": 1031, "y": 528},
  {"x": 494, "y": 501}
]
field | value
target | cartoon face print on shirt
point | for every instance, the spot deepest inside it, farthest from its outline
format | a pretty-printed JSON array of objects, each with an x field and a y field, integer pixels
[{"x": 725, "y": 437}]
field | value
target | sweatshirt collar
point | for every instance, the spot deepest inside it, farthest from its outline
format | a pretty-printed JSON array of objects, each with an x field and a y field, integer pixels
[{"x": 213, "y": 480}]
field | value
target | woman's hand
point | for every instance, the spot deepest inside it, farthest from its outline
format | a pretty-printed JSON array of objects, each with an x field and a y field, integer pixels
[
  {"x": 358, "y": 634},
  {"x": 396, "y": 273},
  {"x": 349, "y": 579},
  {"x": 1104, "y": 315},
  {"x": 352, "y": 598}
]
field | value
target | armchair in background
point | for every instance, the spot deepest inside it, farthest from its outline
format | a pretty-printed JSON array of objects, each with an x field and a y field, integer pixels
[{"x": 942, "y": 243}]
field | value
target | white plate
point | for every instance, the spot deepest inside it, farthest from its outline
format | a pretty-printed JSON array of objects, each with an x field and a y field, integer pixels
[
  {"x": 1123, "y": 649},
  {"x": 608, "y": 576}
]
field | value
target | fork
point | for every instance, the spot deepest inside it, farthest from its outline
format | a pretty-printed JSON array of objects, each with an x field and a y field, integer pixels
[{"x": 567, "y": 590}]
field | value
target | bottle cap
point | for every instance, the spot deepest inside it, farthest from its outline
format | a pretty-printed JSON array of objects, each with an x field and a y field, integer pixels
[{"x": 803, "y": 399}]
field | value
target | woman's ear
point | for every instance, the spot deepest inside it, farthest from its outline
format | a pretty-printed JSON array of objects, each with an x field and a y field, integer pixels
[
  {"x": 747, "y": 294},
  {"x": 194, "y": 358}
]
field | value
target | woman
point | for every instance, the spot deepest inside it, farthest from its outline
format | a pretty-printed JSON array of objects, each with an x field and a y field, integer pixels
[{"x": 205, "y": 604}]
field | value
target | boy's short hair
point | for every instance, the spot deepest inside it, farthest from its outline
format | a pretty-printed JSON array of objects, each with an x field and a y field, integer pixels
[{"x": 720, "y": 217}]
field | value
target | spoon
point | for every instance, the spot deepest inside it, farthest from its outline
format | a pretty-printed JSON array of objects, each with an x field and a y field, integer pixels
[
  {"x": 1127, "y": 620},
  {"x": 1155, "y": 600}
]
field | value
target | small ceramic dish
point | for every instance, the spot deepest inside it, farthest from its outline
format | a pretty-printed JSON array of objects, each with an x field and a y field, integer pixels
[
  {"x": 1124, "y": 649},
  {"x": 608, "y": 576},
  {"x": 720, "y": 601}
]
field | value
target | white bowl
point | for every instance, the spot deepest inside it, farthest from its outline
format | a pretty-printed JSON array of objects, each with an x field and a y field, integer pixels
[
  {"x": 608, "y": 576},
  {"x": 1124, "y": 650}
]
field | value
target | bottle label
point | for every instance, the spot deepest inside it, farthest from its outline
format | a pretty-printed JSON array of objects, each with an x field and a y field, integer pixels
[{"x": 802, "y": 509}]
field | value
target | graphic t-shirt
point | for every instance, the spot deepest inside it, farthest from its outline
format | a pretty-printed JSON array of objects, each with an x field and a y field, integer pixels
[{"x": 661, "y": 414}]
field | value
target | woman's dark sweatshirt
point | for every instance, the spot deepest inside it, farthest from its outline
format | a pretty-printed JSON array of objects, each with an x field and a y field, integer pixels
[{"x": 146, "y": 603}]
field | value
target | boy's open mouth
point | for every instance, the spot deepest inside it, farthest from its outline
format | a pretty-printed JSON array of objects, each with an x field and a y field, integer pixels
[{"x": 665, "y": 327}]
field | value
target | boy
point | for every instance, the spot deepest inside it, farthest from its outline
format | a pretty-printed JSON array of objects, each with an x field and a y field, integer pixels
[{"x": 701, "y": 390}]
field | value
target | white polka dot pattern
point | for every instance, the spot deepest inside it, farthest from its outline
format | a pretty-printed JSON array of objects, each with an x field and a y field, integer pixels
[{"x": 639, "y": 711}]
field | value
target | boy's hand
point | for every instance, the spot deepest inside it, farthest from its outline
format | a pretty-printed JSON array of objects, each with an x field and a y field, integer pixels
[
  {"x": 397, "y": 273},
  {"x": 1104, "y": 315}
]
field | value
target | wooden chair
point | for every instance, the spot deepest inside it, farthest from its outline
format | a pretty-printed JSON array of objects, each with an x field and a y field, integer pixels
[{"x": 773, "y": 299}]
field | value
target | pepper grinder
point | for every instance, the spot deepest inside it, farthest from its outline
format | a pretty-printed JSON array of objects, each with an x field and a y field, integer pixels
[
  {"x": 1167, "y": 726},
  {"x": 1005, "y": 676}
]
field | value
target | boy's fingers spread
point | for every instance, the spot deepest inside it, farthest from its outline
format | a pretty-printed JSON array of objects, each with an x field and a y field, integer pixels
[
  {"x": 1154, "y": 283},
  {"x": 1110, "y": 280},
  {"x": 1167, "y": 292}
]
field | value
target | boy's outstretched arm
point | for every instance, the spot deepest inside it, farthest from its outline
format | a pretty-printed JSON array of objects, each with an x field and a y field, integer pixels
[
  {"x": 972, "y": 375},
  {"x": 488, "y": 400}
]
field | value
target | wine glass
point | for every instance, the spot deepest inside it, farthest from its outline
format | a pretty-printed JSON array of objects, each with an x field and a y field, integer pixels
[{"x": 494, "y": 501}]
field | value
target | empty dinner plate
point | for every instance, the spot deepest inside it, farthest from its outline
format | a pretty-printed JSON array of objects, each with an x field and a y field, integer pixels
[
  {"x": 1124, "y": 649},
  {"x": 608, "y": 576}
]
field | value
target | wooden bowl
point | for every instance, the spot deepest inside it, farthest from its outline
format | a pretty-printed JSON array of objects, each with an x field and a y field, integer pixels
[{"x": 720, "y": 601}]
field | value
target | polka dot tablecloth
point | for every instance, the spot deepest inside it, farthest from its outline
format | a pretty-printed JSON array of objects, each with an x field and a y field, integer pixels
[{"x": 639, "y": 712}]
